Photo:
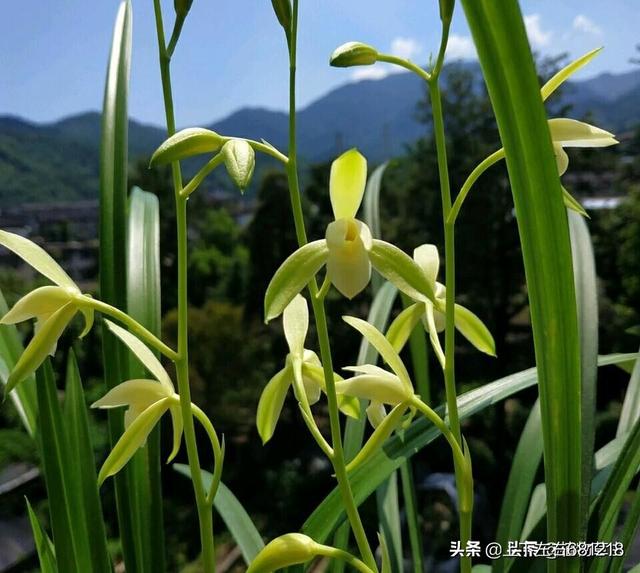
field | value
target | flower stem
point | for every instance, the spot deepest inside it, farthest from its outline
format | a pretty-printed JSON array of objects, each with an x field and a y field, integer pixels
[
  {"x": 134, "y": 326},
  {"x": 450, "y": 284},
  {"x": 205, "y": 516},
  {"x": 338, "y": 459}
]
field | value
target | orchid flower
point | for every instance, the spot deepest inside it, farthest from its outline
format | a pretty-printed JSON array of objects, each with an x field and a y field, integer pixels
[
  {"x": 373, "y": 383},
  {"x": 146, "y": 401},
  {"x": 348, "y": 249},
  {"x": 53, "y": 307},
  {"x": 433, "y": 314},
  {"x": 302, "y": 370}
]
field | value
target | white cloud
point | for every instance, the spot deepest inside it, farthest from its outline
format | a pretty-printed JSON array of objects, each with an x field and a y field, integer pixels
[
  {"x": 406, "y": 48},
  {"x": 583, "y": 24},
  {"x": 461, "y": 48},
  {"x": 375, "y": 72},
  {"x": 538, "y": 37}
]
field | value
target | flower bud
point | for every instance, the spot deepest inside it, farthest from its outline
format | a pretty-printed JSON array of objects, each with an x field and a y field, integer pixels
[
  {"x": 187, "y": 143},
  {"x": 239, "y": 159},
  {"x": 282, "y": 8},
  {"x": 446, "y": 10},
  {"x": 353, "y": 54},
  {"x": 182, "y": 8},
  {"x": 286, "y": 550}
]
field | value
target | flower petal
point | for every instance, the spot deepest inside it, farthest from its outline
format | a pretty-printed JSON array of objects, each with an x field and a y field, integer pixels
[
  {"x": 133, "y": 438},
  {"x": 347, "y": 183},
  {"x": 383, "y": 346},
  {"x": 432, "y": 329},
  {"x": 292, "y": 276},
  {"x": 38, "y": 258},
  {"x": 562, "y": 159},
  {"x": 376, "y": 413},
  {"x": 271, "y": 402},
  {"x": 137, "y": 393},
  {"x": 347, "y": 404},
  {"x": 428, "y": 260},
  {"x": 142, "y": 352},
  {"x": 295, "y": 320},
  {"x": 39, "y": 302},
  {"x": 385, "y": 389},
  {"x": 88, "y": 315},
  {"x": 558, "y": 79},
  {"x": 403, "y": 325},
  {"x": 570, "y": 202},
  {"x": 40, "y": 345},
  {"x": 573, "y": 133},
  {"x": 401, "y": 270},
  {"x": 474, "y": 330},
  {"x": 177, "y": 423},
  {"x": 348, "y": 265}
]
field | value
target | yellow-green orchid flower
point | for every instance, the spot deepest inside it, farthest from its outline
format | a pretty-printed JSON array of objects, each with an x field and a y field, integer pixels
[
  {"x": 53, "y": 307},
  {"x": 432, "y": 314},
  {"x": 572, "y": 133},
  {"x": 146, "y": 401},
  {"x": 302, "y": 370}
]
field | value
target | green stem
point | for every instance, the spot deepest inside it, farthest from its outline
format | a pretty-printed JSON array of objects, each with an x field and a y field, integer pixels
[
  {"x": 338, "y": 459},
  {"x": 205, "y": 516},
  {"x": 415, "y": 535},
  {"x": 349, "y": 559},
  {"x": 199, "y": 177},
  {"x": 134, "y": 326},
  {"x": 406, "y": 64},
  {"x": 468, "y": 184},
  {"x": 450, "y": 285}
]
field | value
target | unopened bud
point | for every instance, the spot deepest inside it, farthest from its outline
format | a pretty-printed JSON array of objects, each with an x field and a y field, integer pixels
[
  {"x": 353, "y": 54},
  {"x": 286, "y": 550},
  {"x": 240, "y": 160},
  {"x": 182, "y": 7},
  {"x": 282, "y": 8},
  {"x": 446, "y": 10}
]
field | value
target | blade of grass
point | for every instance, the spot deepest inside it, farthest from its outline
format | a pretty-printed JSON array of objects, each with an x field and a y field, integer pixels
[
  {"x": 235, "y": 517},
  {"x": 44, "y": 547},
  {"x": 605, "y": 511},
  {"x": 143, "y": 304},
  {"x": 505, "y": 56},
  {"x": 76, "y": 426},
  {"x": 24, "y": 395},
  {"x": 587, "y": 300},
  {"x": 522, "y": 475},
  {"x": 631, "y": 404},
  {"x": 413, "y": 526},
  {"x": 367, "y": 477},
  {"x": 112, "y": 259},
  {"x": 61, "y": 479},
  {"x": 389, "y": 518},
  {"x": 371, "y": 214},
  {"x": 628, "y": 532}
]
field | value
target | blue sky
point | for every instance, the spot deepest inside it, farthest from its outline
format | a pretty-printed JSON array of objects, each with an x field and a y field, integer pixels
[{"x": 53, "y": 52}]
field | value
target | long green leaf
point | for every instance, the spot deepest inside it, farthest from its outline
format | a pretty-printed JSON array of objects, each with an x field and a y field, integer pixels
[
  {"x": 82, "y": 460},
  {"x": 234, "y": 516},
  {"x": 61, "y": 478},
  {"x": 24, "y": 395},
  {"x": 519, "y": 486},
  {"x": 389, "y": 517},
  {"x": 631, "y": 405},
  {"x": 44, "y": 547},
  {"x": 587, "y": 300},
  {"x": 629, "y": 532},
  {"x": 112, "y": 258},
  {"x": 143, "y": 304},
  {"x": 500, "y": 37},
  {"x": 366, "y": 478},
  {"x": 371, "y": 212},
  {"x": 605, "y": 511}
]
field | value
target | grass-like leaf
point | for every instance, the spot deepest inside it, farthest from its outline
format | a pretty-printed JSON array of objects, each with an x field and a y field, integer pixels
[
  {"x": 500, "y": 37},
  {"x": 112, "y": 258},
  {"x": 44, "y": 546}
]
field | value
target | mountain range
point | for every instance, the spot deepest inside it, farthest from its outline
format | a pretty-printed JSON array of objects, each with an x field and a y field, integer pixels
[{"x": 59, "y": 161}]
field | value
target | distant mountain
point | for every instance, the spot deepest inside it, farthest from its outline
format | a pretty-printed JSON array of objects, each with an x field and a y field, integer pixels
[{"x": 59, "y": 161}]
